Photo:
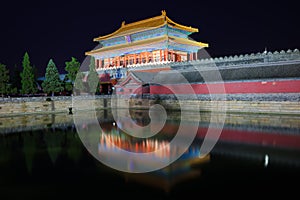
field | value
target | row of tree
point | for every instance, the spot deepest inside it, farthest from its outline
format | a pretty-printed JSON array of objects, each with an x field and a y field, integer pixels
[{"x": 25, "y": 82}]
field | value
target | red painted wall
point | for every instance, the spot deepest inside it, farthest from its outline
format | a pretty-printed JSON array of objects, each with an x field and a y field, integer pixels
[
  {"x": 256, "y": 137},
  {"x": 236, "y": 87},
  {"x": 264, "y": 138}
]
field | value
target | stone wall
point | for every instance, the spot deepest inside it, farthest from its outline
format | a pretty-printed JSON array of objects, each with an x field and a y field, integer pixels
[
  {"x": 262, "y": 122},
  {"x": 268, "y": 107},
  {"x": 40, "y": 105},
  {"x": 247, "y": 106},
  {"x": 34, "y": 105},
  {"x": 48, "y": 105},
  {"x": 38, "y": 116}
]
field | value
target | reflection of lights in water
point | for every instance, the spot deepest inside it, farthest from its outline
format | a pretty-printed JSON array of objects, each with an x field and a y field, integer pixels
[
  {"x": 266, "y": 160},
  {"x": 110, "y": 141}
]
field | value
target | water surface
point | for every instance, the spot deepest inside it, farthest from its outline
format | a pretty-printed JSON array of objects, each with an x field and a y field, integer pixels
[{"x": 43, "y": 157}]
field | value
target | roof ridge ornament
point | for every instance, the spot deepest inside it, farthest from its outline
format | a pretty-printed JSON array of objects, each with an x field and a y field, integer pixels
[{"x": 147, "y": 24}]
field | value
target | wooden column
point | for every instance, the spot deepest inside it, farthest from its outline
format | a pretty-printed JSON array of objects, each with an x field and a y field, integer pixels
[
  {"x": 108, "y": 59},
  {"x": 140, "y": 56},
  {"x": 100, "y": 63},
  {"x": 118, "y": 61},
  {"x": 152, "y": 59},
  {"x": 147, "y": 57},
  {"x": 166, "y": 55},
  {"x": 191, "y": 56},
  {"x": 195, "y": 57},
  {"x": 96, "y": 63},
  {"x": 134, "y": 60},
  {"x": 160, "y": 55}
]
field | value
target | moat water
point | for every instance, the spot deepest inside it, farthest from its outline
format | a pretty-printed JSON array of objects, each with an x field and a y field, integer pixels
[{"x": 44, "y": 157}]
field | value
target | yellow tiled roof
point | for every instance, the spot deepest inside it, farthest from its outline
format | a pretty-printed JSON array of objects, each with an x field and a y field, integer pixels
[
  {"x": 187, "y": 41},
  {"x": 148, "y": 41},
  {"x": 145, "y": 24},
  {"x": 126, "y": 45}
]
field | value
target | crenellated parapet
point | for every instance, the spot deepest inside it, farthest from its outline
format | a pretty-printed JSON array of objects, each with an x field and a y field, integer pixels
[
  {"x": 236, "y": 60},
  {"x": 264, "y": 57}
]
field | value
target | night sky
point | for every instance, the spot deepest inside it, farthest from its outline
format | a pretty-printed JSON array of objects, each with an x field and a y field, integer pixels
[{"x": 62, "y": 29}]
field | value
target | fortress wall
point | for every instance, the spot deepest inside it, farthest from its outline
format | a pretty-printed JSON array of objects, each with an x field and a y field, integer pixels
[
  {"x": 232, "y": 106},
  {"x": 46, "y": 105},
  {"x": 234, "y": 61},
  {"x": 62, "y": 105},
  {"x": 266, "y": 64}
]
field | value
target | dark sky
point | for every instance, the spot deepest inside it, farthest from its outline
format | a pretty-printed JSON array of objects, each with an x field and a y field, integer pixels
[{"x": 62, "y": 29}]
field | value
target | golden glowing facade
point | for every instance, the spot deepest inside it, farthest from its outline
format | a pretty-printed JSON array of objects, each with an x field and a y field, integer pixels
[{"x": 153, "y": 40}]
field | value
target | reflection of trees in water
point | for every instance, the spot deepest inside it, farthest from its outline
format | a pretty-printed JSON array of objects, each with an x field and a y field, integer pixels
[
  {"x": 29, "y": 149},
  {"x": 12, "y": 163},
  {"x": 54, "y": 144},
  {"x": 37, "y": 152}
]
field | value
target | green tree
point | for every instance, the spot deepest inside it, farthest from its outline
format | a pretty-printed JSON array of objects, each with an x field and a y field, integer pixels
[
  {"x": 72, "y": 67},
  {"x": 78, "y": 83},
  {"x": 11, "y": 89},
  {"x": 6, "y": 86},
  {"x": 93, "y": 78},
  {"x": 27, "y": 77},
  {"x": 4, "y": 79},
  {"x": 52, "y": 82}
]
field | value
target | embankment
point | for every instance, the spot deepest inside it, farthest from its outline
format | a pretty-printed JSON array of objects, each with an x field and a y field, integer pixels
[{"x": 232, "y": 104}]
